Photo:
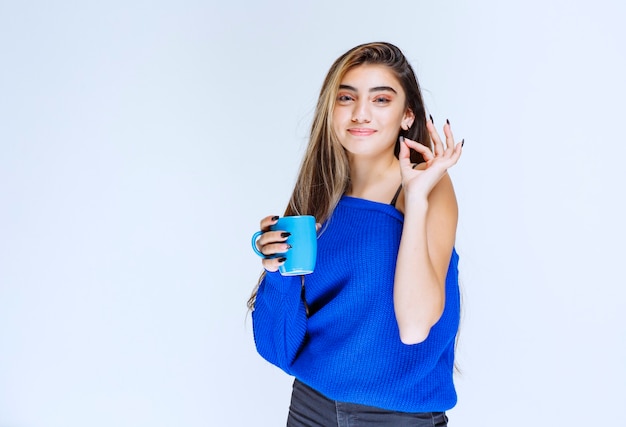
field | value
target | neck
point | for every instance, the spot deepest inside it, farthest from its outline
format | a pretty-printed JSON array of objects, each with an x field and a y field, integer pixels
[{"x": 372, "y": 178}]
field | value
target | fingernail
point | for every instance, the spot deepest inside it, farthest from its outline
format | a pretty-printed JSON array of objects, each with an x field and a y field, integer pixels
[
  {"x": 285, "y": 234},
  {"x": 401, "y": 139},
  {"x": 431, "y": 119},
  {"x": 289, "y": 246},
  {"x": 283, "y": 259},
  {"x": 448, "y": 121},
  {"x": 275, "y": 218},
  {"x": 463, "y": 142}
]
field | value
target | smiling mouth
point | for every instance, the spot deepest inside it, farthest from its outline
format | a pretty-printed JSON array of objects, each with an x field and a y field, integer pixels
[{"x": 361, "y": 131}]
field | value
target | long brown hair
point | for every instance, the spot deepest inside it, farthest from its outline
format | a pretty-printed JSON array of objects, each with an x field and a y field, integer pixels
[{"x": 325, "y": 172}]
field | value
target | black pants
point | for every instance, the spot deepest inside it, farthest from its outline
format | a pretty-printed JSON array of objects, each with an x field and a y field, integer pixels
[{"x": 310, "y": 408}]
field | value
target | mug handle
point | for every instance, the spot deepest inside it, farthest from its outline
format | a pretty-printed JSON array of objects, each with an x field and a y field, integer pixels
[{"x": 255, "y": 236}]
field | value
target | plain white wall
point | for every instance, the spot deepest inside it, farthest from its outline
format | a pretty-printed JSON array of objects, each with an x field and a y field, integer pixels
[{"x": 141, "y": 142}]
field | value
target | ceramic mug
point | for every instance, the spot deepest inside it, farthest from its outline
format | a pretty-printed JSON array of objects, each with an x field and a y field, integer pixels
[{"x": 303, "y": 241}]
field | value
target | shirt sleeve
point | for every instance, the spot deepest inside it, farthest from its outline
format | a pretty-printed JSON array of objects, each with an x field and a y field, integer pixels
[{"x": 279, "y": 319}]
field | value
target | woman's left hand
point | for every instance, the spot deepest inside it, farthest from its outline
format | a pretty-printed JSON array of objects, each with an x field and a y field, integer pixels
[{"x": 418, "y": 181}]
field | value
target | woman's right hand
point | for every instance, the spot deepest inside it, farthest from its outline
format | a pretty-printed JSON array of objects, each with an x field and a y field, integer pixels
[{"x": 271, "y": 243}]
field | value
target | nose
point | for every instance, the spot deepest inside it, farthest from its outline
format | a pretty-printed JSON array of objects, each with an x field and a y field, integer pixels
[{"x": 361, "y": 113}]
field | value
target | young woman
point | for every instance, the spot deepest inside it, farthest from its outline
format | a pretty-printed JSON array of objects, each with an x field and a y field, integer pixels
[{"x": 370, "y": 335}]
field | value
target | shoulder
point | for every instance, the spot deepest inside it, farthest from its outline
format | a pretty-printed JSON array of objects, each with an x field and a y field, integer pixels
[
  {"x": 443, "y": 192},
  {"x": 442, "y": 198},
  {"x": 443, "y": 210}
]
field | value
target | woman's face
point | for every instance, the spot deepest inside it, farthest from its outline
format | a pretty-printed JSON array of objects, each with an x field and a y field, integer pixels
[{"x": 370, "y": 109}]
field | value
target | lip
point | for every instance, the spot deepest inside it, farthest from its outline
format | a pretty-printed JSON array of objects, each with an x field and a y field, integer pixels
[{"x": 361, "y": 131}]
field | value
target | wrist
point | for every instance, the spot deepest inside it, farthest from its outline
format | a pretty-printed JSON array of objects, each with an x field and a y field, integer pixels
[{"x": 415, "y": 202}]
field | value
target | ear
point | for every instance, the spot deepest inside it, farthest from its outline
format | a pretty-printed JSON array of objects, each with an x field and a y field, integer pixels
[{"x": 408, "y": 119}]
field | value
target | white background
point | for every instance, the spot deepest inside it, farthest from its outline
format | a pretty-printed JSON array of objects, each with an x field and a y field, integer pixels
[{"x": 141, "y": 142}]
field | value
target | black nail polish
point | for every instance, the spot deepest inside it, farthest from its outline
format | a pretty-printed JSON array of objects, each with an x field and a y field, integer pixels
[
  {"x": 431, "y": 119},
  {"x": 463, "y": 142},
  {"x": 283, "y": 259},
  {"x": 275, "y": 218},
  {"x": 285, "y": 234},
  {"x": 448, "y": 122}
]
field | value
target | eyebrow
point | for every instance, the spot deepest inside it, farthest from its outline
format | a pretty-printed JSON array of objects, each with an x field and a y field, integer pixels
[{"x": 374, "y": 89}]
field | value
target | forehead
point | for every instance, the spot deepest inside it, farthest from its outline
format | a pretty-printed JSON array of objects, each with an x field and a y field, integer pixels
[{"x": 371, "y": 75}]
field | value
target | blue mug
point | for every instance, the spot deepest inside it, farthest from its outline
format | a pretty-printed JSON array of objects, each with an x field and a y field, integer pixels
[{"x": 303, "y": 241}]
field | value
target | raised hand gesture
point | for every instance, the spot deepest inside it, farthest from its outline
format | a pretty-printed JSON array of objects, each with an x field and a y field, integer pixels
[{"x": 419, "y": 180}]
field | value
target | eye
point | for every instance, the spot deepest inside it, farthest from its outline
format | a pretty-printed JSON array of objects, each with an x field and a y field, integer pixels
[
  {"x": 344, "y": 98},
  {"x": 382, "y": 100}
]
